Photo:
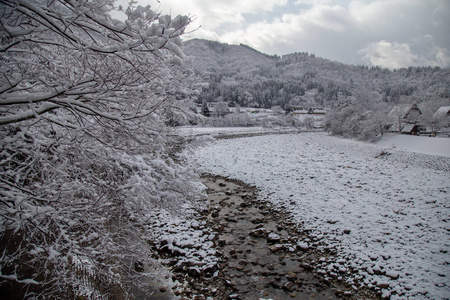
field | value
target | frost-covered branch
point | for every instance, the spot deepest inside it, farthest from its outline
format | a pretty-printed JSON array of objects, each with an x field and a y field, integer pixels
[{"x": 84, "y": 103}]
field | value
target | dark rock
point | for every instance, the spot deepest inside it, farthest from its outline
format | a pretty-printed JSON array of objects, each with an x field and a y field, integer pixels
[
  {"x": 228, "y": 283},
  {"x": 273, "y": 238},
  {"x": 306, "y": 266},
  {"x": 276, "y": 248},
  {"x": 383, "y": 285},
  {"x": 139, "y": 266},
  {"x": 258, "y": 233},
  {"x": 289, "y": 286},
  {"x": 221, "y": 243},
  {"x": 339, "y": 293}
]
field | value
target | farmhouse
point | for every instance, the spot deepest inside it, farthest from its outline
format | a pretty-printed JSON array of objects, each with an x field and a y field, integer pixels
[
  {"x": 402, "y": 115},
  {"x": 410, "y": 129},
  {"x": 298, "y": 110},
  {"x": 442, "y": 112},
  {"x": 442, "y": 118},
  {"x": 317, "y": 111}
]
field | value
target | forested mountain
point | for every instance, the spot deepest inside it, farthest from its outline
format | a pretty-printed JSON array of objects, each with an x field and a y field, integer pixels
[{"x": 242, "y": 75}]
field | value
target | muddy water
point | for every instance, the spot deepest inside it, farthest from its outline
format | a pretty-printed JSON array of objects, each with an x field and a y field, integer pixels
[{"x": 259, "y": 250}]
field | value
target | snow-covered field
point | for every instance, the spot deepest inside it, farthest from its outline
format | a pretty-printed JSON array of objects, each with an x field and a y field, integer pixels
[
  {"x": 419, "y": 144},
  {"x": 217, "y": 131},
  {"x": 385, "y": 211}
]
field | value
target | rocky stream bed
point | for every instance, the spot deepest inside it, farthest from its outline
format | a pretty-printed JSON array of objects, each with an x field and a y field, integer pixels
[{"x": 257, "y": 254}]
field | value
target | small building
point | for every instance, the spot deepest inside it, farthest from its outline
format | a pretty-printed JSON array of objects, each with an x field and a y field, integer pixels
[
  {"x": 298, "y": 110},
  {"x": 400, "y": 115},
  {"x": 410, "y": 129},
  {"x": 426, "y": 130},
  {"x": 442, "y": 112},
  {"x": 442, "y": 119},
  {"x": 317, "y": 111}
]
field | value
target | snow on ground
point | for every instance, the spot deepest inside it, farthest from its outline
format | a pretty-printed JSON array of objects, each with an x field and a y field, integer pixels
[
  {"x": 385, "y": 211},
  {"x": 420, "y": 144},
  {"x": 217, "y": 131}
]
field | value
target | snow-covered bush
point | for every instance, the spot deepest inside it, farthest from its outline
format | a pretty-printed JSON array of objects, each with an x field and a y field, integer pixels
[
  {"x": 231, "y": 120},
  {"x": 84, "y": 101},
  {"x": 363, "y": 118}
]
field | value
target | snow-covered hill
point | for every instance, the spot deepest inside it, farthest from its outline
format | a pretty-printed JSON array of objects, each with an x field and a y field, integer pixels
[{"x": 245, "y": 76}]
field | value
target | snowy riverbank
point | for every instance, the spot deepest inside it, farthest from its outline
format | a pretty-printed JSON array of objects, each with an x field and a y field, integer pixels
[{"x": 385, "y": 211}]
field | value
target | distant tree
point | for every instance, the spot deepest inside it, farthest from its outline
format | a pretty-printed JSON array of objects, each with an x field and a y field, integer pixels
[
  {"x": 220, "y": 110},
  {"x": 364, "y": 117},
  {"x": 277, "y": 110},
  {"x": 205, "y": 109}
]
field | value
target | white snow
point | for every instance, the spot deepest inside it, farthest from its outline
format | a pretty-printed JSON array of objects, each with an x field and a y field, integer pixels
[
  {"x": 384, "y": 212},
  {"x": 419, "y": 144},
  {"x": 217, "y": 131}
]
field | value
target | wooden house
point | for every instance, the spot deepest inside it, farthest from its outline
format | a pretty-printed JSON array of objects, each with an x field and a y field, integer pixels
[
  {"x": 410, "y": 129},
  {"x": 317, "y": 111},
  {"x": 404, "y": 113}
]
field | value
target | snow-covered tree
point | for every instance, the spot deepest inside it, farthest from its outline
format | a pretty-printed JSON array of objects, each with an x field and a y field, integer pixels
[
  {"x": 221, "y": 109},
  {"x": 83, "y": 106},
  {"x": 205, "y": 109},
  {"x": 364, "y": 117}
]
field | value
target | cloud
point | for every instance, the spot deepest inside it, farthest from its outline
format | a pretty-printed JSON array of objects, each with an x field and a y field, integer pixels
[
  {"x": 349, "y": 31},
  {"x": 334, "y": 18},
  {"x": 319, "y": 29},
  {"x": 312, "y": 2},
  {"x": 442, "y": 57},
  {"x": 213, "y": 14},
  {"x": 397, "y": 55},
  {"x": 389, "y": 55}
]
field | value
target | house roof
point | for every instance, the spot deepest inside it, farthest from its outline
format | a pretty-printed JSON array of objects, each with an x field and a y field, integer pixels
[
  {"x": 299, "y": 111},
  {"x": 317, "y": 110},
  {"x": 400, "y": 112},
  {"x": 441, "y": 112},
  {"x": 408, "y": 128}
]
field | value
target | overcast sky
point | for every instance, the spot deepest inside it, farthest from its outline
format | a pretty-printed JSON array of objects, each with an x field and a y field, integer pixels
[{"x": 387, "y": 33}]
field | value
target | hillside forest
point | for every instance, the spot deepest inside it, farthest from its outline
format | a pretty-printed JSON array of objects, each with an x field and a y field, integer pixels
[{"x": 360, "y": 98}]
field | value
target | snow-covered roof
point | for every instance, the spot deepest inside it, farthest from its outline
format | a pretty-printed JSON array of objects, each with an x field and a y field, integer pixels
[
  {"x": 408, "y": 128},
  {"x": 317, "y": 110},
  {"x": 441, "y": 112},
  {"x": 402, "y": 111},
  {"x": 299, "y": 111}
]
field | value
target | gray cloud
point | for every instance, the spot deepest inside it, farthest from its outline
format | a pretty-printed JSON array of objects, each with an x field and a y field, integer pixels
[{"x": 389, "y": 33}]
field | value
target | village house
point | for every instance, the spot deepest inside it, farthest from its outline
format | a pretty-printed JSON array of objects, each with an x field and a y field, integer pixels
[
  {"x": 317, "y": 111},
  {"x": 442, "y": 118},
  {"x": 412, "y": 129},
  {"x": 442, "y": 113},
  {"x": 402, "y": 115},
  {"x": 298, "y": 110}
]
